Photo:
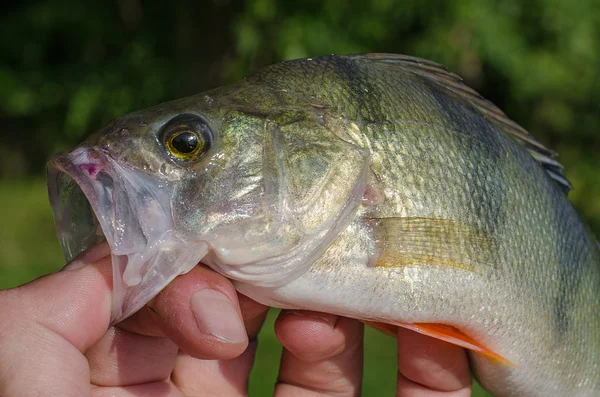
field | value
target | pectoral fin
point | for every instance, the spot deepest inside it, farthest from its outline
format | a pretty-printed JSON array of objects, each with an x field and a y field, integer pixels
[{"x": 432, "y": 242}]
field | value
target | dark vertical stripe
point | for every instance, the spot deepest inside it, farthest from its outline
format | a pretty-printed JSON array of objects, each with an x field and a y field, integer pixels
[
  {"x": 360, "y": 85},
  {"x": 483, "y": 149}
]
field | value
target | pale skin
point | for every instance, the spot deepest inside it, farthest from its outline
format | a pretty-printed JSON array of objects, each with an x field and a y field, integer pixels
[{"x": 55, "y": 339}]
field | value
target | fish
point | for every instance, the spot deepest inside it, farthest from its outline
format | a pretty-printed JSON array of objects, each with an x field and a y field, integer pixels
[{"x": 373, "y": 186}]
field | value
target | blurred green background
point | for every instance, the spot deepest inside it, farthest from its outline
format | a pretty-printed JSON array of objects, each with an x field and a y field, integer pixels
[{"x": 67, "y": 67}]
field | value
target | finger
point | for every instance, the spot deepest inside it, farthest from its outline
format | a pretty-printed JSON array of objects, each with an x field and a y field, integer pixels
[
  {"x": 136, "y": 351},
  {"x": 144, "y": 322},
  {"x": 431, "y": 367},
  {"x": 222, "y": 377},
  {"x": 199, "y": 311},
  {"x": 123, "y": 358},
  {"x": 141, "y": 352},
  {"x": 322, "y": 355},
  {"x": 46, "y": 324},
  {"x": 226, "y": 378}
]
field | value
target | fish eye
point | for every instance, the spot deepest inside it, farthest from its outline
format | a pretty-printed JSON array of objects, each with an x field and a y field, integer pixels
[
  {"x": 185, "y": 142},
  {"x": 186, "y": 137}
]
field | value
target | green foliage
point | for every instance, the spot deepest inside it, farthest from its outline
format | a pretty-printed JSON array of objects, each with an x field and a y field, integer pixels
[{"x": 28, "y": 244}]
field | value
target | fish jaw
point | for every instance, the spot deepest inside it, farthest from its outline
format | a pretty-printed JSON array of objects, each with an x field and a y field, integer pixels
[{"x": 94, "y": 199}]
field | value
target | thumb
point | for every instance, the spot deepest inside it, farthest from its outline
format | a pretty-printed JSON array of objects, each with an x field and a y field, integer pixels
[{"x": 45, "y": 326}]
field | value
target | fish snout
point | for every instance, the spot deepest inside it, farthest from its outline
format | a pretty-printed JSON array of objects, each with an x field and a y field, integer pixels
[{"x": 94, "y": 198}]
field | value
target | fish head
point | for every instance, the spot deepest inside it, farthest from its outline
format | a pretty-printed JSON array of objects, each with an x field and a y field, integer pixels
[{"x": 252, "y": 182}]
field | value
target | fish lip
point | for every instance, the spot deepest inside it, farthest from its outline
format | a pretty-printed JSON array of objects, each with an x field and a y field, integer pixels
[
  {"x": 94, "y": 198},
  {"x": 91, "y": 169},
  {"x": 59, "y": 166}
]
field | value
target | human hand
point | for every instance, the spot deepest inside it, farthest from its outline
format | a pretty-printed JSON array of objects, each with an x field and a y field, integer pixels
[
  {"x": 55, "y": 340},
  {"x": 323, "y": 356}
]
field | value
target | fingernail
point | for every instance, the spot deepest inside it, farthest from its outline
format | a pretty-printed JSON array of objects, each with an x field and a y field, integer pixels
[
  {"x": 216, "y": 315},
  {"x": 329, "y": 319}
]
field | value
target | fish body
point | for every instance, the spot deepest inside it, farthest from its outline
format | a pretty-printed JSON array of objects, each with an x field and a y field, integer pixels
[{"x": 376, "y": 187}]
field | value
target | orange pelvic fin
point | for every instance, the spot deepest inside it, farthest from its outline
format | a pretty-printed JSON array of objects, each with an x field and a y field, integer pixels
[{"x": 455, "y": 336}]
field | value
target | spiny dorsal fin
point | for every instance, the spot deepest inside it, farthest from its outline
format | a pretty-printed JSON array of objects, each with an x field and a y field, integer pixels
[{"x": 453, "y": 84}]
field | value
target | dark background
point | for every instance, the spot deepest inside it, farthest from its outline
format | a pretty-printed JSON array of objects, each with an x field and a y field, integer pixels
[{"x": 67, "y": 67}]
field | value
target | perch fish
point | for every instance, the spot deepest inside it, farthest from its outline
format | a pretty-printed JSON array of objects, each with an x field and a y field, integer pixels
[{"x": 377, "y": 187}]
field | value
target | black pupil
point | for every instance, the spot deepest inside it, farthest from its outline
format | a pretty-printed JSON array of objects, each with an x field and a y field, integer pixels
[{"x": 186, "y": 142}]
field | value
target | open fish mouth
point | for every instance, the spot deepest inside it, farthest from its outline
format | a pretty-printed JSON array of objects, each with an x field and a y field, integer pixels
[{"x": 93, "y": 199}]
